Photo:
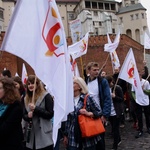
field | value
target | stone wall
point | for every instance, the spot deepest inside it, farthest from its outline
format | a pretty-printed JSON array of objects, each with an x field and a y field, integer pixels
[{"x": 95, "y": 53}]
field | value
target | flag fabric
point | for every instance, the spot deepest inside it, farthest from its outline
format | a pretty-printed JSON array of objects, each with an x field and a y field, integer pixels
[
  {"x": 40, "y": 41},
  {"x": 146, "y": 41},
  {"x": 24, "y": 76},
  {"x": 16, "y": 74},
  {"x": 108, "y": 39},
  {"x": 79, "y": 48},
  {"x": 130, "y": 74},
  {"x": 75, "y": 69},
  {"x": 75, "y": 27},
  {"x": 110, "y": 47},
  {"x": 115, "y": 60}
]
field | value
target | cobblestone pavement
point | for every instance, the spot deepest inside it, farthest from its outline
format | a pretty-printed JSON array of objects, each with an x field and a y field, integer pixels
[{"x": 128, "y": 141}]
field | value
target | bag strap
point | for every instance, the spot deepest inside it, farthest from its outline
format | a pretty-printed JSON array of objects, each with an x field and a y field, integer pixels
[{"x": 85, "y": 99}]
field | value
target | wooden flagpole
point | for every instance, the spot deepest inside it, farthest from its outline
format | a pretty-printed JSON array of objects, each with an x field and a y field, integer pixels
[
  {"x": 33, "y": 96},
  {"x": 104, "y": 63},
  {"x": 144, "y": 54}
]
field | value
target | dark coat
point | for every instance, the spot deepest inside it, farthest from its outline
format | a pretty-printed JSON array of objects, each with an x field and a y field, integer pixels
[
  {"x": 11, "y": 135},
  {"x": 118, "y": 101}
]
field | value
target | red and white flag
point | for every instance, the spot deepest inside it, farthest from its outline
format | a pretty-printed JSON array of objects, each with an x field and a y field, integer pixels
[
  {"x": 146, "y": 41},
  {"x": 24, "y": 74},
  {"x": 40, "y": 40},
  {"x": 130, "y": 74},
  {"x": 79, "y": 48},
  {"x": 110, "y": 47}
]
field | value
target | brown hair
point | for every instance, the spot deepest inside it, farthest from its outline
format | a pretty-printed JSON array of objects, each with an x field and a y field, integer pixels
[
  {"x": 18, "y": 80},
  {"x": 11, "y": 92},
  {"x": 92, "y": 64},
  {"x": 38, "y": 91}
]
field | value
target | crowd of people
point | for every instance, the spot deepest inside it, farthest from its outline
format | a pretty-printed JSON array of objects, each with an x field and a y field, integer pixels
[{"x": 26, "y": 111}]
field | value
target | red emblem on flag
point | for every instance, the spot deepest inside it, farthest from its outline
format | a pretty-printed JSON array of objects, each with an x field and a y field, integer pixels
[{"x": 52, "y": 32}]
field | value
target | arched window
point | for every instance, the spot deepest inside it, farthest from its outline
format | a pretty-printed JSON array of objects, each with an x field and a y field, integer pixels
[
  {"x": 129, "y": 33},
  {"x": 144, "y": 28},
  {"x": 137, "y": 35}
]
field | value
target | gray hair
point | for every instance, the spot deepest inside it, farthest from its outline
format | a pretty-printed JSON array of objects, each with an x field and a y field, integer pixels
[{"x": 82, "y": 84}]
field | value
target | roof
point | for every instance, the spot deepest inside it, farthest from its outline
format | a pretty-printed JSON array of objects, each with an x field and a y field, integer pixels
[
  {"x": 134, "y": 7},
  {"x": 69, "y": 1}
]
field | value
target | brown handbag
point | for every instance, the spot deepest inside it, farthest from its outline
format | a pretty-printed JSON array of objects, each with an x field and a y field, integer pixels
[{"x": 90, "y": 126}]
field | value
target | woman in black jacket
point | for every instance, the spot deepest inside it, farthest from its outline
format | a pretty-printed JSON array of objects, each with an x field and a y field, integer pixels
[
  {"x": 11, "y": 112},
  {"x": 38, "y": 112}
]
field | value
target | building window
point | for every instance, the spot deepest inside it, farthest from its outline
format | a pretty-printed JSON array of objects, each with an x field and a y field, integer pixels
[
  {"x": 113, "y": 30},
  {"x": 96, "y": 31},
  {"x": 100, "y": 5},
  {"x": 132, "y": 2},
  {"x": 142, "y": 15},
  {"x": 121, "y": 19},
  {"x": 132, "y": 18},
  {"x": 129, "y": 32},
  {"x": 1, "y": 14},
  {"x": 94, "y": 5},
  {"x": 137, "y": 16},
  {"x": 100, "y": 23},
  {"x": 87, "y": 4},
  {"x": 107, "y": 6},
  {"x": 93, "y": 23},
  {"x": 95, "y": 13},
  {"x": 59, "y": 5},
  {"x": 113, "y": 7},
  {"x": 62, "y": 18},
  {"x": 71, "y": 16}
]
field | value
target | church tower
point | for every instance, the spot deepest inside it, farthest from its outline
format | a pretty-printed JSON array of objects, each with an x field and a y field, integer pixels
[{"x": 133, "y": 20}]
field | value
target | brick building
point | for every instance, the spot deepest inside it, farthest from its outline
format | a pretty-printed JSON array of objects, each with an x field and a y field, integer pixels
[{"x": 95, "y": 53}]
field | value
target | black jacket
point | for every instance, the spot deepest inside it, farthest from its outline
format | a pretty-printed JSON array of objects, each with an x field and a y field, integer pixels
[
  {"x": 11, "y": 135},
  {"x": 118, "y": 100}
]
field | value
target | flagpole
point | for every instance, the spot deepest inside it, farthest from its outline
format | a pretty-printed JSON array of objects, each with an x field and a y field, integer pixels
[
  {"x": 115, "y": 85},
  {"x": 104, "y": 64},
  {"x": 81, "y": 61},
  {"x": 33, "y": 95},
  {"x": 144, "y": 53}
]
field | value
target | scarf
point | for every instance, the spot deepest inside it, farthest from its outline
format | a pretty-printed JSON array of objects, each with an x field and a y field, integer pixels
[{"x": 3, "y": 108}]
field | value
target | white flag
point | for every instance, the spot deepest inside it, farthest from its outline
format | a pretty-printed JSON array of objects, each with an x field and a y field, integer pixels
[
  {"x": 110, "y": 47},
  {"x": 115, "y": 60},
  {"x": 75, "y": 69},
  {"x": 24, "y": 74},
  {"x": 16, "y": 74},
  {"x": 108, "y": 39},
  {"x": 40, "y": 41},
  {"x": 130, "y": 74},
  {"x": 75, "y": 27},
  {"x": 80, "y": 48},
  {"x": 146, "y": 41}
]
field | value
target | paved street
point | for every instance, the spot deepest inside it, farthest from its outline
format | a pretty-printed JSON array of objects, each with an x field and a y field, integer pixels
[{"x": 128, "y": 139}]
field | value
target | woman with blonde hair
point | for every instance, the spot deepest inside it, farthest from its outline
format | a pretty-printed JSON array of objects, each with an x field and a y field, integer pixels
[
  {"x": 38, "y": 112},
  {"x": 73, "y": 138},
  {"x": 11, "y": 113}
]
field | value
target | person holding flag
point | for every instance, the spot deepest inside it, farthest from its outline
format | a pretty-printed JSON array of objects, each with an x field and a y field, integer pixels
[
  {"x": 38, "y": 112},
  {"x": 139, "y": 108},
  {"x": 130, "y": 74}
]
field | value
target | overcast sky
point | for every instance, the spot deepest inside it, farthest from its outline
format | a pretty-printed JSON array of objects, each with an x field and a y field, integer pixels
[{"x": 146, "y": 4}]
